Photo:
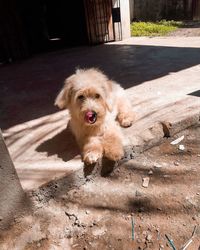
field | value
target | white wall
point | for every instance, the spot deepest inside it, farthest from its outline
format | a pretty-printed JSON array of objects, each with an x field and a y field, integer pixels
[{"x": 125, "y": 19}]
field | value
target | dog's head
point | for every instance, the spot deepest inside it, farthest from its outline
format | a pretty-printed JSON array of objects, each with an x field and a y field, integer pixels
[{"x": 86, "y": 94}]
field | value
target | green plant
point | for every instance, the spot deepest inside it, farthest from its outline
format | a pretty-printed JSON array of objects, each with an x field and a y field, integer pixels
[{"x": 160, "y": 28}]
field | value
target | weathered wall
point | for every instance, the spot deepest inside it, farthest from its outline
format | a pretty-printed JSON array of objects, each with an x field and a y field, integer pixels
[
  {"x": 196, "y": 10},
  {"x": 131, "y": 5},
  {"x": 153, "y": 10},
  {"x": 12, "y": 197}
]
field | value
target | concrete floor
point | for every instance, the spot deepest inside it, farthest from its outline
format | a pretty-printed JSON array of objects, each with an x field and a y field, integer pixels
[
  {"x": 32, "y": 84},
  {"x": 161, "y": 75}
]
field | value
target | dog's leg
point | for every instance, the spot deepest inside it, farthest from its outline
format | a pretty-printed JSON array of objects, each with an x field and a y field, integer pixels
[
  {"x": 92, "y": 150},
  {"x": 125, "y": 114},
  {"x": 112, "y": 144}
]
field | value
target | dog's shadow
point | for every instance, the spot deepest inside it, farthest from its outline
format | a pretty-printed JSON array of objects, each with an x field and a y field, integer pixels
[
  {"x": 62, "y": 144},
  {"x": 65, "y": 147}
]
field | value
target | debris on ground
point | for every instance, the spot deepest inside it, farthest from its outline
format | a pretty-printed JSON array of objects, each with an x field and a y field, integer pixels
[
  {"x": 145, "y": 182},
  {"x": 186, "y": 245},
  {"x": 181, "y": 147},
  {"x": 133, "y": 228},
  {"x": 177, "y": 140},
  {"x": 171, "y": 242},
  {"x": 117, "y": 212}
]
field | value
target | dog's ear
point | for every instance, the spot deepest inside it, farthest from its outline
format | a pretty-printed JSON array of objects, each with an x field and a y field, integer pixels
[{"x": 63, "y": 99}]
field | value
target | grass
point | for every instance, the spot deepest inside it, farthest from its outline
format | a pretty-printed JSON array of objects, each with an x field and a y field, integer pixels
[{"x": 160, "y": 28}]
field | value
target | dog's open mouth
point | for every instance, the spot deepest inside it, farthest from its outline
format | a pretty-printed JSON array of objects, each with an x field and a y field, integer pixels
[{"x": 90, "y": 117}]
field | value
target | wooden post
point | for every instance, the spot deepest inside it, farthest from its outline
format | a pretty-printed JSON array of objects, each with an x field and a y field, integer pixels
[{"x": 12, "y": 196}]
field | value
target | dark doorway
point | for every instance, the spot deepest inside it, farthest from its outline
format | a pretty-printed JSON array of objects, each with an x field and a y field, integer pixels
[
  {"x": 35, "y": 26},
  {"x": 54, "y": 24},
  {"x": 66, "y": 22}
]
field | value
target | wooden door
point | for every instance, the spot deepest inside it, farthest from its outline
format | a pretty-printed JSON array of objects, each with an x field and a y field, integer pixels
[{"x": 100, "y": 24}]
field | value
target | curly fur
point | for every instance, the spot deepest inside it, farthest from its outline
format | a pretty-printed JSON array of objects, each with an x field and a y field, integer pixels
[{"x": 90, "y": 89}]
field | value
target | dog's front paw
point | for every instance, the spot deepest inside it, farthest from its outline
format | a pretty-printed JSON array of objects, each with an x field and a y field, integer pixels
[
  {"x": 126, "y": 120},
  {"x": 91, "y": 157}
]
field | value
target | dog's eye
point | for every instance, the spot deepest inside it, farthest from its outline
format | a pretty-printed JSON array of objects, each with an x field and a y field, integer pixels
[
  {"x": 81, "y": 97},
  {"x": 97, "y": 96}
]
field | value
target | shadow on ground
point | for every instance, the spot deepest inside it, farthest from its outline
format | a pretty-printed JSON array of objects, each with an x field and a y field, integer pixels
[
  {"x": 105, "y": 193},
  {"x": 122, "y": 190},
  {"x": 62, "y": 144},
  {"x": 28, "y": 88}
]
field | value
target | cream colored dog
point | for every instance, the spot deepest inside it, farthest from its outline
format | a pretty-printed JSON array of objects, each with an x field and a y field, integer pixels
[{"x": 97, "y": 106}]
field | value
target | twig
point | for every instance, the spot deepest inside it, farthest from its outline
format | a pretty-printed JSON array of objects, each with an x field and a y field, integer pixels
[
  {"x": 170, "y": 242},
  {"x": 132, "y": 222},
  {"x": 187, "y": 243},
  {"x": 194, "y": 231}
]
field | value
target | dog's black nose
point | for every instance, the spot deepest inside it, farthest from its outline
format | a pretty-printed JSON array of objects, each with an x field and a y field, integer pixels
[{"x": 91, "y": 117}]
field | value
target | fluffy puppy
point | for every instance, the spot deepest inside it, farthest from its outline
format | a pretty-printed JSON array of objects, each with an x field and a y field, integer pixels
[{"x": 97, "y": 106}]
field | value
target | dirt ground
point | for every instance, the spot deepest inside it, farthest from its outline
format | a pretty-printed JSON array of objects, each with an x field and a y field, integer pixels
[
  {"x": 191, "y": 28},
  {"x": 117, "y": 212}
]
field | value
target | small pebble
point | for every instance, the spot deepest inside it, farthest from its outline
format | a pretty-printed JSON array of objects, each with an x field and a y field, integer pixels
[
  {"x": 157, "y": 166},
  {"x": 94, "y": 223},
  {"x": 176, "y": 163},
  {"x": 181, "y": 147},
  {"x": 149, "y": 237},
  {"x": 38, "y": 244},
  {"x": 145, "y": 182},
  {"x": 166, "y": 176},
  {"x": 150, "y": 172}
]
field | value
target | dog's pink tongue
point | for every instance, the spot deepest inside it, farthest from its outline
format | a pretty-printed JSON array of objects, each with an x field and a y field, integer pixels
[{"x": 91, "y": 117}]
